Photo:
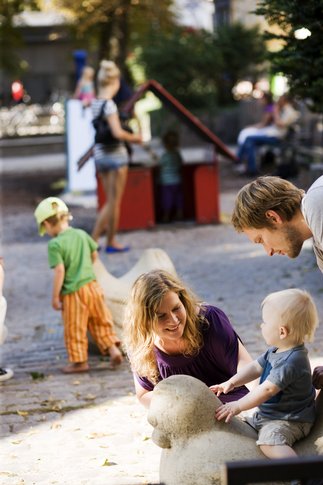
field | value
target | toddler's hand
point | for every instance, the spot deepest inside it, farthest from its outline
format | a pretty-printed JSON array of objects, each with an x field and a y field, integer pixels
[
  {"x": 227, "y": 411},
  {"x": 56, "y": 304},
  {"x": 224, "y": 387}
]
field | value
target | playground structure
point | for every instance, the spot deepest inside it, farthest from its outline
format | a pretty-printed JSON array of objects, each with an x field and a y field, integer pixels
[{"x": 201, "y": 185}]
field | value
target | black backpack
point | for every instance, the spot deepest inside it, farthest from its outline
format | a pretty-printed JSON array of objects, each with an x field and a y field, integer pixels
[{"x": 102, "y": 128}]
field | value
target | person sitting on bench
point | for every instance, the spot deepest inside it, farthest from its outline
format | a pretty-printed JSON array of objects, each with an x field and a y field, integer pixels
[{"x": 284, "y": 115}]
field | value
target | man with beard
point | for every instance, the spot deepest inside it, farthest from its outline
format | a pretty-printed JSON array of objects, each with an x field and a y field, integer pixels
[{"x": 273, "y": 212}]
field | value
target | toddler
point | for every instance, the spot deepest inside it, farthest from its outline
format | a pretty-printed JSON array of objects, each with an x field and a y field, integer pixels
[
  {"x": 285, "y": 395},
  {"x": 85, "y": 91},
  {"x": 170, "y": 177},
  {"x": 71, "y": 253}
]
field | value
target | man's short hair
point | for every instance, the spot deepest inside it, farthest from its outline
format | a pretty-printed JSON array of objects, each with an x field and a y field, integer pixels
[{"x": 263, "y": 194}]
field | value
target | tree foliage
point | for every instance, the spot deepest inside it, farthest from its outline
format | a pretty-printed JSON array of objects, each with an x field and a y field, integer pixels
[
  {"x": 113, "y": 27},
  {"x": 200, "y": 68},
  {"x": 242, "y": 52},
  {"x": 184, "y": 62},
  {"x": 301, "y": 61},
  {"x": 10, "y": 38}
]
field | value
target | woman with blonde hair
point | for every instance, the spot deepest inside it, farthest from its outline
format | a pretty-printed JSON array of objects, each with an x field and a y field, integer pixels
[
  {"x": 168, "y": 331},
  {"x": 111, "y": 160}
]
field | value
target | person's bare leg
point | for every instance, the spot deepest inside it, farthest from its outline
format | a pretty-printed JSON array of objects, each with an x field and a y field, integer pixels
[
  {"x": 278, "y": 451},
  {"x": 100, "y": 225},
  {"x": 117, "y": 182}
]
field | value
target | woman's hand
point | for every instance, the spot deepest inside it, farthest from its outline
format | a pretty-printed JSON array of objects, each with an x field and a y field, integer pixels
[
  {"x": 137, "y": 138},
  {"x": 121, "y": 134},
  {"x": 227, "y": 411}
]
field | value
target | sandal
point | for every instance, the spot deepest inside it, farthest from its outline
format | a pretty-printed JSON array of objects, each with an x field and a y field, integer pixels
[{"x": 113, "y": 249}]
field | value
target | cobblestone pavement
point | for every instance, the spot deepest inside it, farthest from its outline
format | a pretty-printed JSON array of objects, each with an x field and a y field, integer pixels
[{"x": 89, "y": 429}]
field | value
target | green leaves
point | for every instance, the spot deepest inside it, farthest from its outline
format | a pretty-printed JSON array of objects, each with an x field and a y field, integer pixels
[
  {"x": 200, "y": 68},
  {"x": 10, "y": 37},
  {"x": 300, "y": 60}
]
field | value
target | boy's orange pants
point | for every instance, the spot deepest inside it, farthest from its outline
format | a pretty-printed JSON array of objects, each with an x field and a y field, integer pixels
[{"x": 85, "y": 310}]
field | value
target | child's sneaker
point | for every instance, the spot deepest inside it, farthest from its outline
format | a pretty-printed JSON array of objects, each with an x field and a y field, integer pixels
[{"x": 5, "y": 374}]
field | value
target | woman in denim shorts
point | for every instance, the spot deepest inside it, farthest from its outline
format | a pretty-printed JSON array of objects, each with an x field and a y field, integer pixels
[{"x": 111, "y": 161}]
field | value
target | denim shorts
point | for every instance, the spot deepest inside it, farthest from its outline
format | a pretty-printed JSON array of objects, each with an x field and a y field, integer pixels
[{"x": 110, "y": 160}]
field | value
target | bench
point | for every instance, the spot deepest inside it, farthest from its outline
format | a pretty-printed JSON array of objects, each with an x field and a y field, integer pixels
[
  {"x": 298, "y": 150},
  {"x": 306, "y": 469},
  {"x": 312, "y": 159},
  {"x": 281, "y": 157}
]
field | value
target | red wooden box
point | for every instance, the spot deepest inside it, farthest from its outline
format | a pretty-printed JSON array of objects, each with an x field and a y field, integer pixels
[{"x": 137, "y": 206}]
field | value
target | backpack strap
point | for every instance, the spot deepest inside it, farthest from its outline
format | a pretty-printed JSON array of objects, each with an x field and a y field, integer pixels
[{"x": 100, "y": 115}]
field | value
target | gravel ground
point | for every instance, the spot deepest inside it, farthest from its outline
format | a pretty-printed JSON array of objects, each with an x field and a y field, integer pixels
[{"x": 59, "y": 429}]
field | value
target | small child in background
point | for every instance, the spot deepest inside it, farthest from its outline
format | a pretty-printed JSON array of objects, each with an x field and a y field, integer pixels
[
  {"x": 5, "y": 373},
  {"x": 85, "y": 91},
  {"x": 285, "y": 395},
  {"x": 170, "y": 178},
  {"x": 71, "y": 253}
]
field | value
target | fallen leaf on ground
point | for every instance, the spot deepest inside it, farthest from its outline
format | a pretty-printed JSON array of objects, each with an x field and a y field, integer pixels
[
  {"x": 108, "y": 463},
  {"x": 56, "y": 426},
  {"x": 37, "y": 375},
  {"x": 97, "y": 435},
  {"x": 22, "y": 413}
]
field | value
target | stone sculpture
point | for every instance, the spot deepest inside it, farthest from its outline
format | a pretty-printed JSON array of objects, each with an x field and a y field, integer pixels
[{"x": 195, "y": 445}]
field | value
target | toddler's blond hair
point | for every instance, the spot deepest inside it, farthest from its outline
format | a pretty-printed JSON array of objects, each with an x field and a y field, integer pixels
[
  {"x": 88, "y": 73},
  {"x": 298, "y": 313}
]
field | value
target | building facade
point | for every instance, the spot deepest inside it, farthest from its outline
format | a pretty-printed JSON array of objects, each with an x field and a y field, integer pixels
[{"x": 232, "y": 11}]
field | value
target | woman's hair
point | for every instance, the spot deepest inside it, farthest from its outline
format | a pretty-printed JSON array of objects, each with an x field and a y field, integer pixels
[
  {"x": 141, "y": 320},
  {"x": 108, "y": 72},
  {"x": 263, "y": 194},
  {"x": 298, "y": 313}
]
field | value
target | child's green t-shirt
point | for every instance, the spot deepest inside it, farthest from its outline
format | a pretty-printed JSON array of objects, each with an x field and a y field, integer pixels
[{"x": 73, "y": 248}]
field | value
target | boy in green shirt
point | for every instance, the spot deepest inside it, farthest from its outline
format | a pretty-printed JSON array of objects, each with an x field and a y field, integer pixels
[{"x": 71, "y": 253}]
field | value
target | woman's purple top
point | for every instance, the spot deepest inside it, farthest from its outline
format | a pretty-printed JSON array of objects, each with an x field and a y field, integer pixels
[{"x": 216, "y": 361}]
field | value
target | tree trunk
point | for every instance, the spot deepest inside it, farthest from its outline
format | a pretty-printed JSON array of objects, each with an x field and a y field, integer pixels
[
  {"x": 106, "y": 33},
  {"x": 122, "y": 33}
]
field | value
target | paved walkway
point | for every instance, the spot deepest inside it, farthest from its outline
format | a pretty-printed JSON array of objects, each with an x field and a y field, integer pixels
[{"x": 89, "y": 429}]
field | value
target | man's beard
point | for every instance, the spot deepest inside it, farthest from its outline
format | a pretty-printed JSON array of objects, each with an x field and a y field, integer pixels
[{"x": 294, "y": 241}]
